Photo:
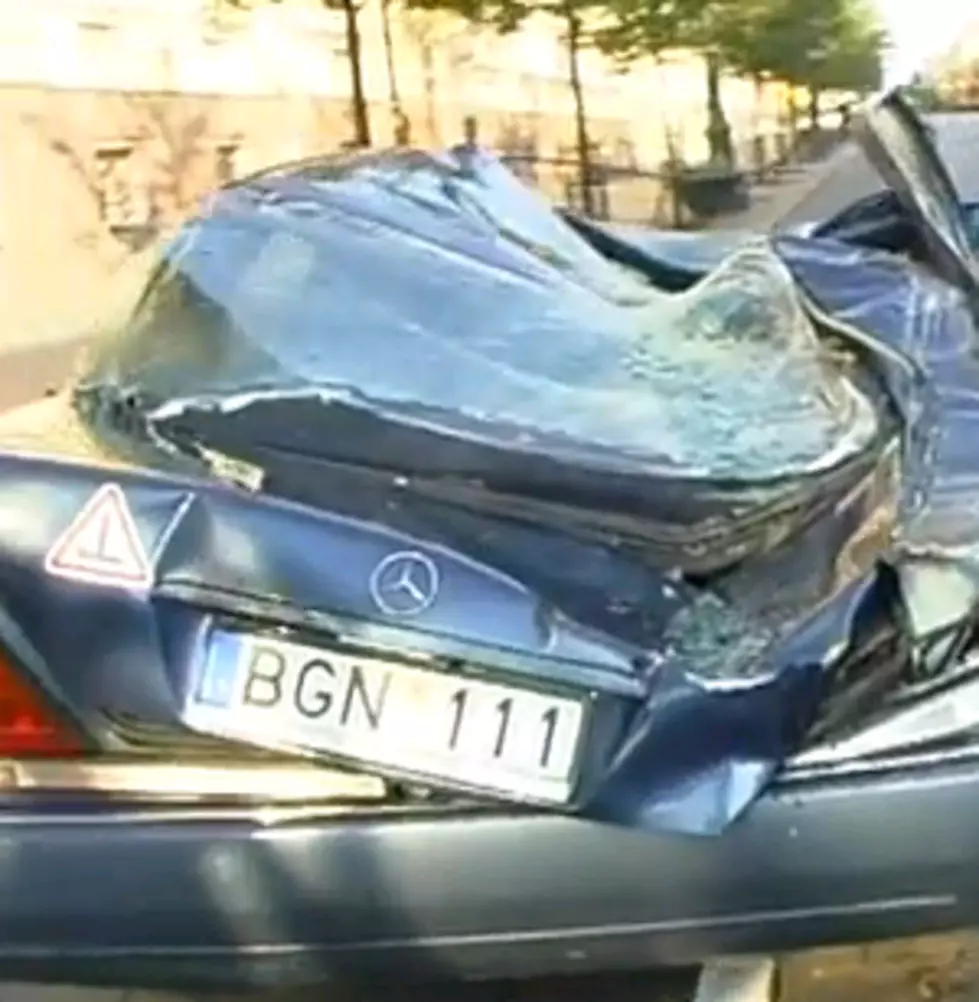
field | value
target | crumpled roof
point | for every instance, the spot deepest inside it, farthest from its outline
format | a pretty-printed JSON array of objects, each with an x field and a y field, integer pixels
[{"x": 440, "y": 291}]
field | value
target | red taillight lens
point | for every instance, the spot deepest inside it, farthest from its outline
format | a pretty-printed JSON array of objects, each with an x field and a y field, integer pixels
[{"x": 27, "y": 726}]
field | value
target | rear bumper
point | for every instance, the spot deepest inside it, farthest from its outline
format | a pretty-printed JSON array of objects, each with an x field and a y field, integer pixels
[{"x": 124, "y": 897}]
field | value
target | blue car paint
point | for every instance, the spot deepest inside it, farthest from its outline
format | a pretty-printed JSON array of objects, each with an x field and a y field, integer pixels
[
  {"x": 118, "y": 894},
  {"x": 670, "y": 750},
  {"x": 90, "y": 639},
  {"x": 677, "y": 744}
]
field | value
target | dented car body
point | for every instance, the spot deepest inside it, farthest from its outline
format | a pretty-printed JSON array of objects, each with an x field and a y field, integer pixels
[{"x": 413, "y": 547}]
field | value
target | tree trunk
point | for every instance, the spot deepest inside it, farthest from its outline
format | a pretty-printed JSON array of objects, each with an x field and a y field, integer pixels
[
  {"x": 582, "y": 143},
  {"x": 718, "y": 131},
  {"x": 358, "y": 102},
  {"x": 813, "y": 107},
  {"x": 759, "y": 139},
  {"x": 401, "y": 125},
  {"x": 431, "y": 104},
  {"x": 393, "y": 96},
  {"x": 791, "y": 112}
]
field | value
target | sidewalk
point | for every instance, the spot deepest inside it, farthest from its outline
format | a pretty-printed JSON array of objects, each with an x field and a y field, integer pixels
[{"x": 781, "y": 195}]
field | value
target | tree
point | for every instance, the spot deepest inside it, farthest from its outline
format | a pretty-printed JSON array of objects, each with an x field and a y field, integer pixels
[
  {"x": 572, "y": 11},
  {"x": 819, "y": 44},
  {"x": 852, "y": 56},
  {"x": 359, "y": 111},
  {"x": 394, "y": 94},
  {"x": 646, "y": 28},
  {"x": 358, "y": 100},
  {"x": 428, "y": 33},
  {"x": 506, "y": 16}
]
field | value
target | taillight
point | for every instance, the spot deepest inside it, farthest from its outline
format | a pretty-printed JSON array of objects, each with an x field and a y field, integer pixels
[{"x": 27, "y": 726}]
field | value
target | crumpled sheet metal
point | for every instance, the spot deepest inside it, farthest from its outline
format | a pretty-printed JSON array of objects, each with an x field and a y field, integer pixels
[
  {"x": 929, "y": 332},
  {"x": 924, "y": 334},
  {"x": 528, "y": 335},
  {"x": 439, "y": 292}
]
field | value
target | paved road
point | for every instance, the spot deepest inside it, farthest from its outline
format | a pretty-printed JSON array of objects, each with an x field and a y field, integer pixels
[
  {"x": 853, "y": 176},
  {"x": 849, "y": 178},
  {"x": 941, "y": 969}
]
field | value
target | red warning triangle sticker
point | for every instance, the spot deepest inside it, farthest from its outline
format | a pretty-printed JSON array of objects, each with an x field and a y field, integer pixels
[{"x": 102, "y": 545}]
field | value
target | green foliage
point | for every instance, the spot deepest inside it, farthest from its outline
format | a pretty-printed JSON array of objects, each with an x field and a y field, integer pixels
[
  {"x": 217, "y": 6},
  {"x": 781, "y": 38},
  {"x": 633, "y": 29},
  {"x": 824, "y": 43},
  {"x": 853, "y": 56},
  {"x": 505, "y": 16},
  {"x": 815, "y": 43}
]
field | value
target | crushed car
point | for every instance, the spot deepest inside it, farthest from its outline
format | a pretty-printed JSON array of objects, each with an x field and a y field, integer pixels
[{"x": 414, "y": 547}]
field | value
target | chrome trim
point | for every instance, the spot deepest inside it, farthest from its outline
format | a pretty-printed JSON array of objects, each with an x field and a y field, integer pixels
[
  {"x": 938, "y": 716},
  {"x": 893, "y": 761},
  {"x": 272, "y": 784}
]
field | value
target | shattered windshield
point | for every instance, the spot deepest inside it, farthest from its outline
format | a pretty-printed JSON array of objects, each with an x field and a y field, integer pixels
[{"x": 439, "y": 292}]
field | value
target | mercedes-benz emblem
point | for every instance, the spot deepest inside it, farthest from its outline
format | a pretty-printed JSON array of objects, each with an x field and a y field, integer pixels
[{"x": 404, "y": 583}]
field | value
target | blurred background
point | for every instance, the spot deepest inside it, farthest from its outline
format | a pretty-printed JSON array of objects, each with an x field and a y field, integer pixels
[{"x": 117, "y": 116}]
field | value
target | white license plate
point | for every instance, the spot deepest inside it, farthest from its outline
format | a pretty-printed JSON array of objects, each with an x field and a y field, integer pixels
[{"x": 485, "y": 735}]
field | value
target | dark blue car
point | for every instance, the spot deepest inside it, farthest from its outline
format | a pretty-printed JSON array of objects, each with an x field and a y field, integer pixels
[{"x": 425, "y": 583}]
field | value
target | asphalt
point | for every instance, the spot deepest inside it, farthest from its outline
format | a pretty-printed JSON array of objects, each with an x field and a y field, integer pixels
[
  {"x": 852, "y": 176},
  {"x": 848, "y": 178},
  {"x": 936, "y": 969}
]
